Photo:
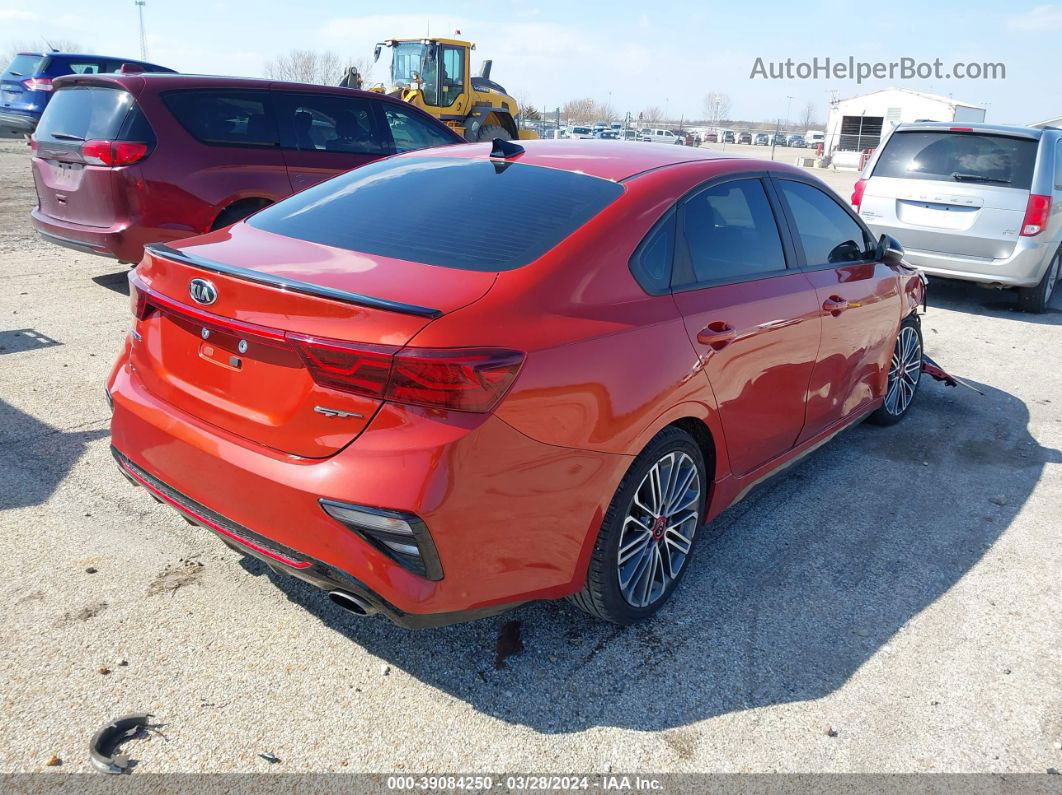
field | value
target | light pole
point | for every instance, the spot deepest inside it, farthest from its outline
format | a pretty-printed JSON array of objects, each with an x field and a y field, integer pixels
[{"x": 143, "y": 38}]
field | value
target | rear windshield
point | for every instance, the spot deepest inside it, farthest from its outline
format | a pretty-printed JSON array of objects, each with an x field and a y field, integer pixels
[
  {"x": 84, "y": 113},
  {"x": 959, "y": 157},
  {"x": 468, "y": 214},
  {"x": 24, "y": 66}
]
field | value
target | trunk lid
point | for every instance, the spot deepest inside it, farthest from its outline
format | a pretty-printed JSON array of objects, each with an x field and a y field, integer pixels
[
  {"x": 70, "y": 187},
  {"x": 22, "y": 67},
  {"x": 266, "y": 285}
]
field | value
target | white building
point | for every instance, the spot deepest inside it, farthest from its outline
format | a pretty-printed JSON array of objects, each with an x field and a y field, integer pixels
[{"x": 860, "y": 123}]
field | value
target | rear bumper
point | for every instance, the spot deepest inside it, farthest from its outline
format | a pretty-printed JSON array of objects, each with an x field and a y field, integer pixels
[
  {"x": 1023, "y": 268},
  {"x": 123, "y": 241},
  {"x": 512, "y": 520},
  {"x": 20, "y": 122}
]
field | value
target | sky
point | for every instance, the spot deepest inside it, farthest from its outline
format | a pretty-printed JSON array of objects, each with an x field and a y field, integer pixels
[{"x": 635, "y": 54}]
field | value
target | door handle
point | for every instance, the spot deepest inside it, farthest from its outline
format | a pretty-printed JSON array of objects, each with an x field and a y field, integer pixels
[
  {"x": 717, "y": 335},
  {"x": 835, "y": 305}
]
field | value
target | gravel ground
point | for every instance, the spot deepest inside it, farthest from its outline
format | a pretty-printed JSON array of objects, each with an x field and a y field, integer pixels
[{"x": 900, "y": 587}]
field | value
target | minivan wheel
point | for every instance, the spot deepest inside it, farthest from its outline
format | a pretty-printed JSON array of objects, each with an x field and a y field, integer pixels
[
  {"x": 905, "y": 373},
  {"x": 1035, "y": 299},
  {"x": 647, "y": 536},
  {"x": 237, "y": 212}
]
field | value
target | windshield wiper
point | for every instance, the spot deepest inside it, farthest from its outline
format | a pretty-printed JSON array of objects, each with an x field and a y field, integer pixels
[
  {"x": 62, "y": 136},
  {"x": 977, "y": 178},
  {"x": 15, "y": 74}
]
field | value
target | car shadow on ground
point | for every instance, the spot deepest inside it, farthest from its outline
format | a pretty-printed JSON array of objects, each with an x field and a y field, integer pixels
[
  {"x": 960, "y": 296},
  {"x": 791, "y": 590},
  {"x": 117, "y": 281},
  {"x": 35, "y": 457}
]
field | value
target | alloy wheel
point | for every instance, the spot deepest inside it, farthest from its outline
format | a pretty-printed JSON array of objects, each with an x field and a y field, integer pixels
[
  {"x": 904, "y": 371},
  {"x": 658, "y": 530}
]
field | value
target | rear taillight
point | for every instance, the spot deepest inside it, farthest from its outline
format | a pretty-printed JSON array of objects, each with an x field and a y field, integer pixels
[
  {"x": 37, "y": 84},
  {"x": 857, "y": 193},
  {"x": 113, "y": 153},
  {"x": 33, "y": 143},
  {"x": 348, "y": 367},
  {"x": 1036, "y": 214},
  {"x": 461, "y": 379}
]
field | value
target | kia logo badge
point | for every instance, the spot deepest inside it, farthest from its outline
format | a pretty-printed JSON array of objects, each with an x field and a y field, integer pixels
[{"x": 202, "y": 291}]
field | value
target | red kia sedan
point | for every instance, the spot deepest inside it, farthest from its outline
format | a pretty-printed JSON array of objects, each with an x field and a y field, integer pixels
[
  {"x": 121, "y": 160},
  {"x": 454, "y": 381}
]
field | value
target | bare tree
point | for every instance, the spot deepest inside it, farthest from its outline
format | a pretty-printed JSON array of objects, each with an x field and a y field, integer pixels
[
  {"x": 808, "y": 117},
  {"x": 310, "y": 66},
  {"x": 603, "y": 111},
  {"x": 42, "y": 45},
  {"x": 578, "y": 110},
  {"x": 716, "y": 106},
  {"x": 652, "y": 113}
]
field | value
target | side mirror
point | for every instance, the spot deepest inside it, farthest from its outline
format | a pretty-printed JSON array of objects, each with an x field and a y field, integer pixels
[
  {"x": 376, "y": 53},
  {"x": 889, "y": 250}
]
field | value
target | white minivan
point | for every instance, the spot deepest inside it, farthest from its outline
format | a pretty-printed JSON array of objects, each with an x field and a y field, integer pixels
[
  {"x": 979, "y": 202},
  {"x": 659, "y": 136}
]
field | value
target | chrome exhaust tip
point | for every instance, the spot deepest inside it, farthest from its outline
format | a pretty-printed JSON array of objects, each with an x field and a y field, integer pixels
[{"x": 355, "y": 604}]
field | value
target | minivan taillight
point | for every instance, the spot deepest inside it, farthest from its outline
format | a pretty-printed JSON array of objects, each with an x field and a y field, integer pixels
[
  {"x": 37, "y": 84},
  {"x": 460, "y": 379},
  {"x": 113, "y": 153},
  {"x": 857, "y": 193},
  {"x": 1036, "y": 214}
]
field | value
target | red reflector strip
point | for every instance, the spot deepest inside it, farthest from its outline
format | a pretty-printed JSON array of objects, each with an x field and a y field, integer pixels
[
  {"x": 295, "y": 564},
  {"x": 208, "y": 319}
]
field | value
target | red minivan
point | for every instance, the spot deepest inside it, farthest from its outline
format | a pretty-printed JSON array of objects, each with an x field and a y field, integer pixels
[{"x": 127, "y": 159}]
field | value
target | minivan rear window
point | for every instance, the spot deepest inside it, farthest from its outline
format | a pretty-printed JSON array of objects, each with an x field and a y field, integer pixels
[
  {"x": 24, "y": 66},
  {"x": 975, "y": 158},
  {"x": 83, "y": 113},
  {"x": 467, "y": 214}
]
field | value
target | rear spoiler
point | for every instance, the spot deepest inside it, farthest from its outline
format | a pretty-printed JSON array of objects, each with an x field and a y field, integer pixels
[{"x": 290, "y": 285}]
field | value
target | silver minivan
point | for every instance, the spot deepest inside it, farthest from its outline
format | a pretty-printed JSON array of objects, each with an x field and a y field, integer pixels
[{"x": 978, "y": 202}]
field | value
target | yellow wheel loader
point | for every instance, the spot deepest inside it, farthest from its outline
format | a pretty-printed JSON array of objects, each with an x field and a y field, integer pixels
[{"x": 435, "y": 75}]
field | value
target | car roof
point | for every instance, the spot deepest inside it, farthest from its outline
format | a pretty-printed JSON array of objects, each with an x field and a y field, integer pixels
[
  {"x": 998, "y": 129},
  {"x": 85, "y": 55},
  {"x": 612, "y": 160},
  {"x": 179, "y": 80}
]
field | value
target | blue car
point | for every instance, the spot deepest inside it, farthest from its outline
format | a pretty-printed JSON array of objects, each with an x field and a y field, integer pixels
[{"x": 26, "y": 84}]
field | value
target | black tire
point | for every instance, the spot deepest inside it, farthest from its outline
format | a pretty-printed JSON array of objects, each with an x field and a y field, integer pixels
[
  {"x": 491, "y": 131},
  {"x": 602, "y": 596},
  {"x": 237, "y": 212},
  {"x": 894, "y": 410},
  {"x": 1035, "y": 299}
]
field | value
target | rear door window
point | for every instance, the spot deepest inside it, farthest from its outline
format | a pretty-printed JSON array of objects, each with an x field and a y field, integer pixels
[
  {"x": 730, "y": 234},
  {"x": 225, "y": 117},
  {"x": 827, "y": 233},
  {"x": 327, "y": 123},
  {"x": 651, "y": 263},
  {"x": 453, "y": 212},
  {"x": 83, "y": 113},
  {"x": 973, "y": 158},
  {"x": 83, "y": 66},
  {"x": 410, "y": 132}
]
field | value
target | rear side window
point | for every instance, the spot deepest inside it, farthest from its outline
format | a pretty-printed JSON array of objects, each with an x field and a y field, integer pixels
[
  {"x": 225, "y": 118},
  {"x": 828, "y": 234},
  {"x": 651, "y": 263},
  {"x": 78, "y": 67},
  {"x": 731, "y": 233},
  {"x": 84, "y": 113},
  {"x": 24, "y": 66},
  {"x": 457, "y": 213},
  {"x": 958, "y": 157},
  {"x": 327, "y": 123},
  {"x": 410, "y": 132}
]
